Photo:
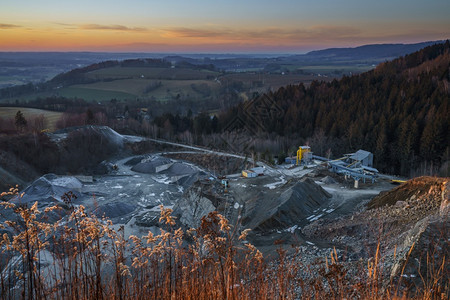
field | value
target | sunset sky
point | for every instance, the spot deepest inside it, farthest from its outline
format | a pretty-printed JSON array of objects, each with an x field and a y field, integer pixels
[{"x": 284, "y": 26}]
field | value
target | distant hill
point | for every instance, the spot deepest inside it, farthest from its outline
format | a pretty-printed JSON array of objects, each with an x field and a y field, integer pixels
[
  {"x": 17, "y": 68},
  {"x": 128, "y": 79},
  {"x": 367, "y": 51}
]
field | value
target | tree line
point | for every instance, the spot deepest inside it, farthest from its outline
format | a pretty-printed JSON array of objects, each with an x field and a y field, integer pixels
[{"x": 399, "y": 111}]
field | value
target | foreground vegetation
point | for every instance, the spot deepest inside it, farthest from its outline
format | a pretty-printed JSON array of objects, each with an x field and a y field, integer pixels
[{"x": 61, "y": 252}]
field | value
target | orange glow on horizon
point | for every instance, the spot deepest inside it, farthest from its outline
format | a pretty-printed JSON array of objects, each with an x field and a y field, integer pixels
[
  {"x": 22, "y": 39},
  {"x": 221, "y": 26},
  {"x": 115, "y": 38}
]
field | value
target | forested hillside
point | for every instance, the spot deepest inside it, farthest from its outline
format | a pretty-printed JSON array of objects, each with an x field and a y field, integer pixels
[{"x": 399, "y": 111}]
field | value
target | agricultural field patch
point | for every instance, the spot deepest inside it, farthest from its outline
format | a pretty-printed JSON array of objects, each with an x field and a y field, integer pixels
[
  {"x": 267, "y": 81},
  {"x": 51, "y": 117},
  {"x": 93, "y": 94},
  {"x": 151, "y": 73},
  {"x": 162, "y": 90},
  {"x": 334, "y": 70}
]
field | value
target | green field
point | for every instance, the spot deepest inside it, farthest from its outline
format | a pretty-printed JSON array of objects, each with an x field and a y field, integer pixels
[
  {"x": 263, "y": 82},
  {"x": 335, "y": 69},
  {"x": 151, "y": 73},
  {"x": 166, "y": 84},
  {"x": 136, "y": 88},
  {"x": 162, "y": 84},
  {"x": 92, "y": 94},
  {"x": 51, "y": 117}
]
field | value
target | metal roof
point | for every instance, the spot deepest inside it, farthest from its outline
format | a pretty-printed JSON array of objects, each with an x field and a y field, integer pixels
[
  {"x": 257, "y": 170},
  {"x": 360, "y": 155}
]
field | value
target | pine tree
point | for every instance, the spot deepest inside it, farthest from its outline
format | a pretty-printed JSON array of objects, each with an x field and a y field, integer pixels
[{"x": 20, "y": 121}]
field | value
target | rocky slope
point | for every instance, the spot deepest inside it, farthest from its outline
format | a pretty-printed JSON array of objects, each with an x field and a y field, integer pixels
[{"x": 410, "y": 224}]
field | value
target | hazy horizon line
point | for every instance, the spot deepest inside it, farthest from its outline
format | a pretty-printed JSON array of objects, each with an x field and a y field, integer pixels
[{"x": 218, "y": 53}]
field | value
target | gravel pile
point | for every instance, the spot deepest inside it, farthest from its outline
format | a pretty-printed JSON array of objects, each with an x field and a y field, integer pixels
[
  {"x": 150, "y": 165},
  {"x": 50, "y": 188}
]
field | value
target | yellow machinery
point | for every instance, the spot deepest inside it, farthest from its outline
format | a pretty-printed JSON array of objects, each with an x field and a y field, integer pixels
[{"x": 302, "y": 150}]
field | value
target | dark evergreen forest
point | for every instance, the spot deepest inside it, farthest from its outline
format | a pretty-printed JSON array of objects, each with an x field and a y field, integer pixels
[{"x": 399, "y": 111}]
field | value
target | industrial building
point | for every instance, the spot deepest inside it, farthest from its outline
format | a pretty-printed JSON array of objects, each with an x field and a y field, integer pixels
[
  {"x": 253, "y": 172},
  {"x": 360, "y": 157},
  {"x": 358, "y": 165},
  {"x": 304, "y": 156}
]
